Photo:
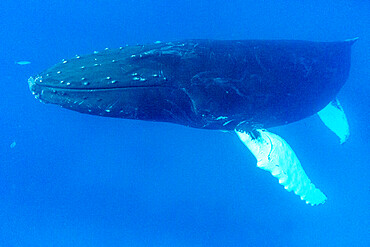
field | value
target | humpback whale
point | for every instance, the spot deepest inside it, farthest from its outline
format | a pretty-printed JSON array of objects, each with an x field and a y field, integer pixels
[{"x": 246, "y": 86}]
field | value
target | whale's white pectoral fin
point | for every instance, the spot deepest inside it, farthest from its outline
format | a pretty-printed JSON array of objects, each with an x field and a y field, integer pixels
[
  {"x": 273, "y": 154},
  {"x": 334, "y": 118}
]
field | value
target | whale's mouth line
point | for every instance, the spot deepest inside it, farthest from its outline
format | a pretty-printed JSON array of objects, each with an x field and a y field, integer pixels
[
  {"x": 101, "y": 88},
  {"x": 33, "y": 83}
]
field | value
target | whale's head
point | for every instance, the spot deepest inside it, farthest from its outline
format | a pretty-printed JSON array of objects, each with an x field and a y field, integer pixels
[{"x": 114, "y": 83}]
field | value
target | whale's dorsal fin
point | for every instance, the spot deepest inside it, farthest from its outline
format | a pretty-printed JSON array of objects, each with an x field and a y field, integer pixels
[
  {"x": 334, "y": 118},
  {"x": 273, "y": 154}
]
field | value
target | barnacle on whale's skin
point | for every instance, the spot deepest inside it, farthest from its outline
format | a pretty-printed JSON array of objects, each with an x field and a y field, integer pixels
[{"x": 242, "y": 85}]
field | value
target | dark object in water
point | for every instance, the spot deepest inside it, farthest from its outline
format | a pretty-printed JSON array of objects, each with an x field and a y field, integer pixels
[{"x": 245, "y": 85}]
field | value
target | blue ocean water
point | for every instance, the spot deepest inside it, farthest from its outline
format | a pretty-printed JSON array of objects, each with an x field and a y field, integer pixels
[{"x": 68, "y": 179}]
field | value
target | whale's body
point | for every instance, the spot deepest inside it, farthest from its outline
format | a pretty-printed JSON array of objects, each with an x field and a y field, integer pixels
[
  {"x": 244, "y": 85},
  {"x": 202, "y": 83}
]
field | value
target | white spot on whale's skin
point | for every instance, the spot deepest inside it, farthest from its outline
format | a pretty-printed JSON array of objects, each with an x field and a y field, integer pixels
[
  {"x": 221, "y": 117},
  {"x": 227, "y": 122},
  {"x": 23, "y": 62},
  {"x": 273, "y": 154}
]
